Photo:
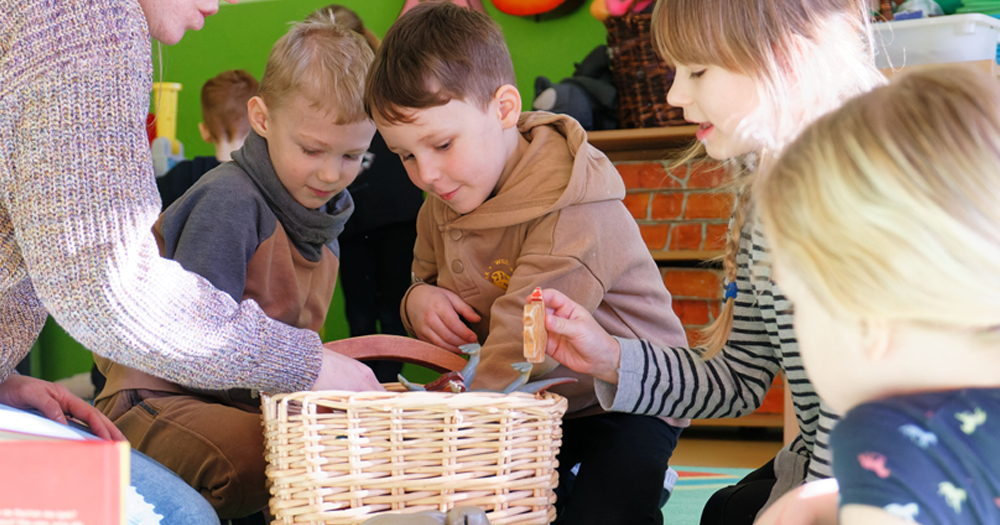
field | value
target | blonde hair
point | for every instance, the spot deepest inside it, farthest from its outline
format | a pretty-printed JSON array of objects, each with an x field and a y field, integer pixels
[
  {"x": 344, "y": 16},
  {"x": 889, "y": 208},
  {"x": 805, "y": 56},
  {"x": 322, "y": 61}
]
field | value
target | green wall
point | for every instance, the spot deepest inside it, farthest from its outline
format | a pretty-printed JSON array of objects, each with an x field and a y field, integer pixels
[{"x": 240, "y": 37}]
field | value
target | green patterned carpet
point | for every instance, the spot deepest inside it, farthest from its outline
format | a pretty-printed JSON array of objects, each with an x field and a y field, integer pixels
[{"x": 695, "y": 486}]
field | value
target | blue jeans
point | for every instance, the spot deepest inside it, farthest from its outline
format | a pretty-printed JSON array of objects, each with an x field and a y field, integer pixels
[
  {"x": 163, "y": 498},
  {"x": 156, "y": 496}
]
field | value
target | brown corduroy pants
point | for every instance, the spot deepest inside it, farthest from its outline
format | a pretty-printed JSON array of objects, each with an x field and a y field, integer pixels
[{"x": 216, "y": 448}]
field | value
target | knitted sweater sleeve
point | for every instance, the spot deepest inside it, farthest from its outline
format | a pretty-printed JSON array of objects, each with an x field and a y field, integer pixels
[{"x": 78, "y": 203}]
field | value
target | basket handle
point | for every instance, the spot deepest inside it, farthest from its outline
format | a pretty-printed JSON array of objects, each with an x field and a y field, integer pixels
[{"x": 397, "y": 348}]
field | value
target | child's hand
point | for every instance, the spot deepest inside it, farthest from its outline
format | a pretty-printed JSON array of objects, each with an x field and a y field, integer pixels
[
  {"x": 577, "y": 341},
  {"x": 814, "y": 503},
  {"x": 434, "y": 315},
  {"x": 340, "y": 372}
]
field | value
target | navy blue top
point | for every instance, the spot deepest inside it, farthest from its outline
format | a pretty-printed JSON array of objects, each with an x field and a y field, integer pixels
[
  {"x": 931, "y": 458},
  {"x": 182, "y": 176}
]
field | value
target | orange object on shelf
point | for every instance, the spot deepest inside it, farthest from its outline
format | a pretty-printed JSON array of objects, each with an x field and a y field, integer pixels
[{"x": 526, "y": 7}]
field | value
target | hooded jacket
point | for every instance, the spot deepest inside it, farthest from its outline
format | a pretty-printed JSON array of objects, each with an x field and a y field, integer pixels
[{"x": 556, "y": 221}]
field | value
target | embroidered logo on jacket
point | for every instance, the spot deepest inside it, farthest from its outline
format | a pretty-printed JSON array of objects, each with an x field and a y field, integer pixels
[{"x": 499, "y": 273}]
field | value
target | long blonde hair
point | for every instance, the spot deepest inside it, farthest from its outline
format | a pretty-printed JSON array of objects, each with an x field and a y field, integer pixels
[
  {"x": 890, "y": 207},
  {"x": 805, "y": 56}
]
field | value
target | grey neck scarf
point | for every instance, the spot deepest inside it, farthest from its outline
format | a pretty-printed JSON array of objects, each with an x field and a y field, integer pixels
[{"x": 309, "y": 229}]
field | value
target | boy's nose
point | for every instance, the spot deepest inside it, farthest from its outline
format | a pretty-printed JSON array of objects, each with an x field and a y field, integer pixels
[
  {"x": 428, "y": 173},
  {"x": 330, "y": 174}
]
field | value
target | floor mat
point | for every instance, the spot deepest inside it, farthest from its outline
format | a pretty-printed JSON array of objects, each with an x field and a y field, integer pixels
[{"x": 694, "y": 487}]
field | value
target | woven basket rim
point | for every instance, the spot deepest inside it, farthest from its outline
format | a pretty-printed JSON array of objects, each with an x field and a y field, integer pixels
[{"x": 416, "y": 400}]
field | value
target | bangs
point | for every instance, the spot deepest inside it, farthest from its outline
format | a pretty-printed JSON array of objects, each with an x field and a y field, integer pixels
[{"x": 704, "y": 32}]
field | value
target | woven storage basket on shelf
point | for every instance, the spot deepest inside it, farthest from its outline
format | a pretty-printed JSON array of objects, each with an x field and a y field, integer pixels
[
  {"x": 641, "y": 77},
  {"x": 340, "y": 457}
]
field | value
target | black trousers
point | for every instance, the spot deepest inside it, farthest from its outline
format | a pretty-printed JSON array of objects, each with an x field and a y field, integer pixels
[
  {"x": 623, "y": 458},
  {"x": 375, "y": 274},
  {"x": 739, "y": 504}
]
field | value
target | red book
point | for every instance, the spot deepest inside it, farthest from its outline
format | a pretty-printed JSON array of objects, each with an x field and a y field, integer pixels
[{"x": 52, "y": 480}]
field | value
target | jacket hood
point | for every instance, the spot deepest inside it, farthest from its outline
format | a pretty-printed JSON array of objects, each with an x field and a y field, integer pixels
[{"x": 559, "y": 168}]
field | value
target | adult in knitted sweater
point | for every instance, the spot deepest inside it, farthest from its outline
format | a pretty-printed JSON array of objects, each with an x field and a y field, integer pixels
[{"x": 76, "y": 209}]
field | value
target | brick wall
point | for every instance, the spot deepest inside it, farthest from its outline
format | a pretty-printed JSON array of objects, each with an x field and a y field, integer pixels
[
  {"x": 678, "y": 209},
  {"x": 684, "y": 220}
]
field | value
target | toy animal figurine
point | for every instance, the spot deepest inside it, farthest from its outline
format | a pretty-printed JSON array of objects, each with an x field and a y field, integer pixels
[
  {"x": 535, "y": 336},
  {"x": 467, "y": 515},
  {"x": 589, "y": 96},
  {"x": 456, "y": 382},
  {"x": 452, "y": 381}
]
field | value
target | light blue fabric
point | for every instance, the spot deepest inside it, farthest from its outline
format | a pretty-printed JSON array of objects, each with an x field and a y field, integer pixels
[
  {"x": 173, "y": 500},
  {"x": 157, "y": 496}
]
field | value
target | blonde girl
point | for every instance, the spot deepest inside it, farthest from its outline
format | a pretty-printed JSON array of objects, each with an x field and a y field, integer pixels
[
  {"x": 883, "y": 219},
  {"x": 752, "y": 74}
]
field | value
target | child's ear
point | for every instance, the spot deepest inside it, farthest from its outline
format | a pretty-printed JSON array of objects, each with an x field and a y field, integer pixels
[
  {"x": 876, "y": 338},
  {"x": 257, "y": 112},
  {"x": 206, "y": 135},
  {"x": 508, "y": 105}
]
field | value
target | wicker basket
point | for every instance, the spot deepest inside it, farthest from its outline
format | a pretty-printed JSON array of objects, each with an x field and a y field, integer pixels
[
  {"x": 641, "y": 77},
  {"x": 341, "y": 457}
]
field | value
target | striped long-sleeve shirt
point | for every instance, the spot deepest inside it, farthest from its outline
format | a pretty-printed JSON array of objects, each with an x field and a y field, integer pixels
[
  {"x": 78, "y": 199},
  {"x": 676, "y": 382}
]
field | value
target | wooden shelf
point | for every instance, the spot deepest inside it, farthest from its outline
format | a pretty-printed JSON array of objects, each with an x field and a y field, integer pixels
[
  {"x": 990, "y": 67},
  {"x": 685, "y": 255},
  {"x": 643, "y": 143},
  {"x": 749, "y": 420}
]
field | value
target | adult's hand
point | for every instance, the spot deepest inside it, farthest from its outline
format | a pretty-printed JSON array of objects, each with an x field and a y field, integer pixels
[
  {"x": 340, "y": 372},
  {"x": 56, "y": 402}
]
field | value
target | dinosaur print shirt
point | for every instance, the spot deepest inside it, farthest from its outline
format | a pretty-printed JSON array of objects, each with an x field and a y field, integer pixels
[{"x": 929, "y": 458}]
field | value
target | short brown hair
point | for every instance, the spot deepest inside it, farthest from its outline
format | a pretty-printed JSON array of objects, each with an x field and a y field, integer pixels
[
  {"x": 435, "y": 53},
  {"x": 322, "y": 61},
  {"x": 224, "y": 104}
]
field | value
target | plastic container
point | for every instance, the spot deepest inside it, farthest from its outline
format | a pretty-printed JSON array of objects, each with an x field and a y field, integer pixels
[{"x": 952, "y": 38}]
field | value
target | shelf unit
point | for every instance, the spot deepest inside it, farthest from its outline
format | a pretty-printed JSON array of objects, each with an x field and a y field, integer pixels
[
  {"x": 643, "y": 143},
  {"x": 622, "y": 145}
]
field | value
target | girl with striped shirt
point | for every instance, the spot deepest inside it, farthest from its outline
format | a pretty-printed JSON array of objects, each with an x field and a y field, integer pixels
[{"x": 752, "y": 74}]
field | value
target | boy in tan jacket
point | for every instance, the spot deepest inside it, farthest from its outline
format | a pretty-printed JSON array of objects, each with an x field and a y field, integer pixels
[{"x": 517, "y": 201}]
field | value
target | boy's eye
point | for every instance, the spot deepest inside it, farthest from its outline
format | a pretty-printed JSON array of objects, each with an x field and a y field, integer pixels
[
  {"x": 698, "y": 74},
  {"x": 444, "y": 146},
  {"x": 406, "y": 157},
  {"x": 310, "y": 152}
]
